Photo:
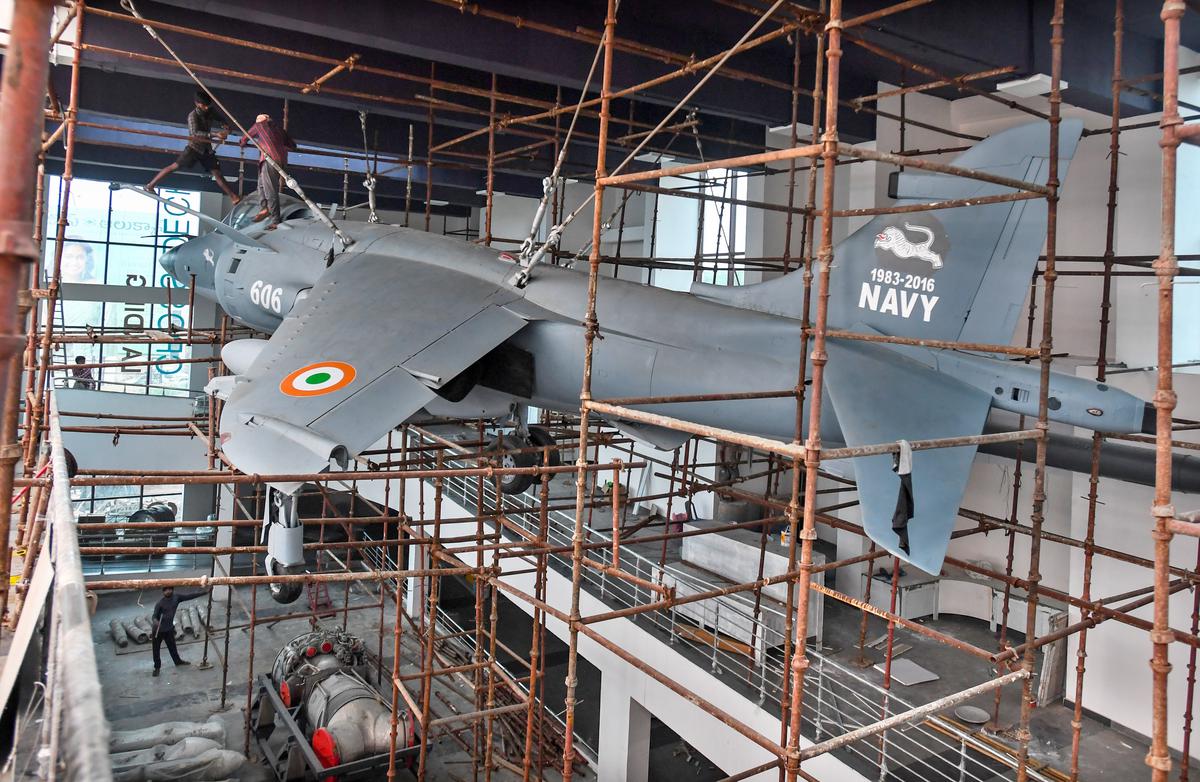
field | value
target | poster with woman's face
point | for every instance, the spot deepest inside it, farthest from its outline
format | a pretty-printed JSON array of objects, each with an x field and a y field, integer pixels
[{"x": 79, "y": 263}]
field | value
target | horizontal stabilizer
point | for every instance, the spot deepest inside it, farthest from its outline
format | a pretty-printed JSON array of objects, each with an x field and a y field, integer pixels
[{"x": 905, "y": 400}]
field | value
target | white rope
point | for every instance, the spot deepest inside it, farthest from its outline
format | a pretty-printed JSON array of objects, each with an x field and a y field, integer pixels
[
  {"x": 521, "y": 278},
  {"x": 369, "y": 183},
  {"x": 552, "y": 182},
  {"x": 287, "y": 178}
]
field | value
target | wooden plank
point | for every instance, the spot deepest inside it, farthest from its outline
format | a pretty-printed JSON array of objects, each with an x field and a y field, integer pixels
[{"x": 708, "y": 638}]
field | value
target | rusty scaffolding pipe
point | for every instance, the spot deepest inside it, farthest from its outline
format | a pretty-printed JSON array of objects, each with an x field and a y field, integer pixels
[
  {"x": 25, "y": 74},
  {"x": 1166, "y": 266}
]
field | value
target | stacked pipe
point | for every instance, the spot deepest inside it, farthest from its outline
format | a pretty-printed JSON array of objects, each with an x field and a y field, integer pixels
[{"x": 140, "y": 629}]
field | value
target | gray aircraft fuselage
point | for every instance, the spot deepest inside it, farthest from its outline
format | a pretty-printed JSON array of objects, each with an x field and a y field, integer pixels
[
  {"x": 401, "y": 320},
  {"x": 653, "y": 342}
]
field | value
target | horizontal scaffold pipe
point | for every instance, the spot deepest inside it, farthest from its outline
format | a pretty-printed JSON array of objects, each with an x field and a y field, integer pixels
[
  {"x": 204, "y": 582},
  {"x": 361, "y": 475}
]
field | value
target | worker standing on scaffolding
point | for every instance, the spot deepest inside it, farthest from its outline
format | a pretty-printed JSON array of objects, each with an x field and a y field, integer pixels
[
  {"x": 164, "y": 625},
  {"x": 199, "y": 149},
  {"x": 274, "y": 141}
]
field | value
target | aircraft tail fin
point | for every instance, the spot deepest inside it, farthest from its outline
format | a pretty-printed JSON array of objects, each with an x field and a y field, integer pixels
[{"x": 957, "y": 273}]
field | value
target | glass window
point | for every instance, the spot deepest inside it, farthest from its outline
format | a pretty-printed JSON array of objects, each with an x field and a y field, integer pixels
[
  {"x": 82, "y": 262},
  {"x": 132, "y": 218},
  {"x": 130, "y": 373},
  {"x": 88, "y": 216},
  {"x": 724, "y": 227},
  {"x": 171, "y": 373},
  {"x": 128, "y": 265},
  {"x": 115, "y": 237},
  {"x": 77, "y": 314}
]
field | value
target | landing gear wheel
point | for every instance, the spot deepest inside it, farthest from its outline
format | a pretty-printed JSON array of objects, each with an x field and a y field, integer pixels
[
  {"x": 509, "y": 483},
  {"x": 285, "y": 592},
  {"x": 540, "y": 436}
]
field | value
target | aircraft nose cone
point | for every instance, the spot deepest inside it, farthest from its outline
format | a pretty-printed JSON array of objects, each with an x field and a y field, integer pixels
[{"x": 167, "y": 260}]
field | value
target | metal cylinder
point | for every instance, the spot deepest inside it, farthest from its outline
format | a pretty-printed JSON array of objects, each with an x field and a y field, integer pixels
[
  {"x": 120, "y": 637},
  {"x": 350, "y": 721},
  {"x": 343, "y": 716}
]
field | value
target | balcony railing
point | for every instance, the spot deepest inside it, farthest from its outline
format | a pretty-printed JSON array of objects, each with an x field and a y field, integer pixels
[
  {"x": 838, "y": 699},
  {"x": 72, "y": 732}
]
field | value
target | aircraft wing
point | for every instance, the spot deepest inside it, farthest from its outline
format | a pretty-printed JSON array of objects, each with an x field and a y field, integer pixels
[
  {"x": 882, "y": 396},
  {"x": 362, "y": 353}
]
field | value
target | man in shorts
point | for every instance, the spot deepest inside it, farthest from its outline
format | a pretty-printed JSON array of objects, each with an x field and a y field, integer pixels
[{"x": 199, "y": 149}]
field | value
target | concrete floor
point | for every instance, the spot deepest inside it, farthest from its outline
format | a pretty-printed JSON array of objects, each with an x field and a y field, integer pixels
[{"x": 133, "y": 699}]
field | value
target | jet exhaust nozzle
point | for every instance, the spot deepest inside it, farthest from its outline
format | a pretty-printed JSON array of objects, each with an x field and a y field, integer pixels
[{"x": 1149, "y": 419}]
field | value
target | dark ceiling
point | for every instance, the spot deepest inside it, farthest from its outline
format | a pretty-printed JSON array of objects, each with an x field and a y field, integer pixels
[{"x": 463, "y": 45}]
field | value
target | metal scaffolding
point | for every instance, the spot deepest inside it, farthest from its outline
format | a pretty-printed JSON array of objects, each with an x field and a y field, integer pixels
[{"x": 512, "y": 730}]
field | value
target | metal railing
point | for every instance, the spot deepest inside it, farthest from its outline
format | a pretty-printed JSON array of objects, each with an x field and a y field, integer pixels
[
  {"x": 838, "y": 699},
  {"x": 73, "y": 740}
]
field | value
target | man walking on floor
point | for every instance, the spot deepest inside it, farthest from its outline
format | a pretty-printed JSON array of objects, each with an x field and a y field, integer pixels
[
  {"x": 274, "y": 141},
  {"x": 199, "y": 149},
  {"x": 164, "y": 625}
]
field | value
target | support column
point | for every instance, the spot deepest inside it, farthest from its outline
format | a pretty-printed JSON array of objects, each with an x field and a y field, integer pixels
[
  {"x": 220, "y": 593},
  {"x": 624, "y": 735}
]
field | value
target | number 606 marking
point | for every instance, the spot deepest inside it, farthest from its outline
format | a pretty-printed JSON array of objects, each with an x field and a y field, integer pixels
[{"x": 267, "y": 296}]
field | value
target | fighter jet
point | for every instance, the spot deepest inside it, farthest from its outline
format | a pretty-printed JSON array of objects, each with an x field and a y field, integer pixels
[{"x": 403, "y": 321}]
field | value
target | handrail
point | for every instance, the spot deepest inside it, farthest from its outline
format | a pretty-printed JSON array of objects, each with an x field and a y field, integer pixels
[
  {"x": 842, "y": 699},
  {"x": 73, "y": 683}
]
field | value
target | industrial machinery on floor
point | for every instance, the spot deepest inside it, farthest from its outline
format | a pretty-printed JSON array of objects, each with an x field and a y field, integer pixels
[{"x": 318, "y": 717}]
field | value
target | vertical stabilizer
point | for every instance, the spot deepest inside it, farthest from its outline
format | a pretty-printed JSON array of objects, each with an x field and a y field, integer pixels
[{"x": 957, "y": 273}]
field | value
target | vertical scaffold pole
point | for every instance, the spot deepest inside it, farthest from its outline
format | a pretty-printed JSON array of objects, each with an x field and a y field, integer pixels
[
  {"x": 1089, "y": 543},
  {"x": 36, "y": 415},
  {"x": 1166, "y": 267},
  {"x": 591, "y": 327},
  {"x": 812, "y": 456},
  {"x": 1045, "y": 349},
  {"x": 21, "y": 99}
]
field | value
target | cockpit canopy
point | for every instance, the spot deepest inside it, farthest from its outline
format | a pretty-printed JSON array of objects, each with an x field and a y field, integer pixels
[{"x": 241, "y": 216}]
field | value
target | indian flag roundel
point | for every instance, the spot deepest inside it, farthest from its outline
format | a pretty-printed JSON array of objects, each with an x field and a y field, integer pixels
[{"x": 323, "y": 377}]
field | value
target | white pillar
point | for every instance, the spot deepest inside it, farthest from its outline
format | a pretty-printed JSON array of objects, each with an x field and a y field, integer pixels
[
  {"x": 624, "y": 735},
  {"x": 224, "y": 538}
]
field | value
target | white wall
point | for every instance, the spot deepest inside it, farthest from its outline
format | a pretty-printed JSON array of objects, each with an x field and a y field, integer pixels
[{"x": 131, "y": 452}]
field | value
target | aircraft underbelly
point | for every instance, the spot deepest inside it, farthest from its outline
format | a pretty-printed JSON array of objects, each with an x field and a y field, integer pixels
[{"x": 628, "y": 367}]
